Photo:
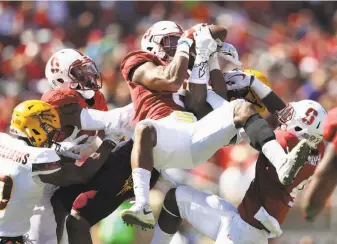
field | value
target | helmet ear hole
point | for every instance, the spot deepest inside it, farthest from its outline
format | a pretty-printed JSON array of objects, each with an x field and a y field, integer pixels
[
  {"x": 60, "y": 80},
  {"x": 36, "y": 132},
  {"x": 297, "y": 128}
]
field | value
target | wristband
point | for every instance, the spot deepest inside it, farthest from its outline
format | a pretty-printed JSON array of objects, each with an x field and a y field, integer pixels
[{"x": 183, "y": 48}]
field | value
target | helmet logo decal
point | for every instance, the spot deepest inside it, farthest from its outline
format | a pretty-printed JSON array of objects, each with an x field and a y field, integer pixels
[
  {"x": 55, "y": 66},
  {"x": 148, "y": 33},
  {"x": 310, "y": 116}
]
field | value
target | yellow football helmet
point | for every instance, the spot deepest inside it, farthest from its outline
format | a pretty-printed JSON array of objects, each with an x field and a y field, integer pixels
[
  {"x": 37, "y": 121},
  {"x": 251, "y": 95}
]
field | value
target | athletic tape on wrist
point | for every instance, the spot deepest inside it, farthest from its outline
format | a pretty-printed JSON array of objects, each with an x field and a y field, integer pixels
[
  {"x": 200, "y": 73},
  {"x": 183, "y": 49}
]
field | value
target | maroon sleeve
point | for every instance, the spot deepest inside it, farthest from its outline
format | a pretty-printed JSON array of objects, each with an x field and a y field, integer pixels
[
  {"x": 60, "y": 97},
  {"x": 330, "y": 127},
  {"x": 68, "y": 104},
  {"x": 135, "y": 59}
]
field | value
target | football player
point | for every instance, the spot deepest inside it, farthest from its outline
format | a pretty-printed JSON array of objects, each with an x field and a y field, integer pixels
[
  {"x": 266, "y": 202},
  {"x": 74, "y": 78},
  {"x": 325, "y": 178},
  {"x": 166, "y": 136},
  {"x": 76, "y": 96},
  {"x": 29, "y": 161}
]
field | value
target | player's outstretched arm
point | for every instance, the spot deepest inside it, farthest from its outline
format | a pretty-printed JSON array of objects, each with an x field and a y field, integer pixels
[
  {"x": 323, "y": 183},
  {"x": 163, "y": 78},
  {"x": 116, "y": 121},
  {"x": 238, "y": 80},
  {"x": 217, "y": 79},
  {"x": 196, "y": 95},
  {"x": 71, "y": 174}
]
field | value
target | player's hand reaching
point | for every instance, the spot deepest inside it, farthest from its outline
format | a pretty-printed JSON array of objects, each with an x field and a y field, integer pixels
[
  {"x": 120, "y": 124},
  {"x": 71, "y": 147},
  {"x": 205, "y": 45},
  {"x": 238, "y": 80}
]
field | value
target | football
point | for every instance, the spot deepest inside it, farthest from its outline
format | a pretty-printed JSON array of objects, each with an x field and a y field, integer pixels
[{"x": 218, "y": 33}]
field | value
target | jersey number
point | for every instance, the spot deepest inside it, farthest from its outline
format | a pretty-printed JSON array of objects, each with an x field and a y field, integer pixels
[
  {"x": 310, "y": 116},
  {"x": 5, "y": 190}
]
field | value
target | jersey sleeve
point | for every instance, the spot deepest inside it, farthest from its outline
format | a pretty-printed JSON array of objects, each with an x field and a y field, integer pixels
[
  {"x": 330, "y": 127},
  {"x": 286, "y": 139},
  {"x": 135, "y": 59},
  {"x": 60, "y": 97},
  {"x": 67, "y": 103}
]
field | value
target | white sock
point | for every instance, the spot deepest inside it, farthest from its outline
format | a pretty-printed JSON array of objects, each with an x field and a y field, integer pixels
[
  {"x": 275, "y": 153},
  {"x": 141, "y": 185},
  {"x": 160, "y": 237}
]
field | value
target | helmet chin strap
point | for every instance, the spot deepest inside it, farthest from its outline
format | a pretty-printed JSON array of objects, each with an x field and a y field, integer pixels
[{"x": 87, "y": 94}]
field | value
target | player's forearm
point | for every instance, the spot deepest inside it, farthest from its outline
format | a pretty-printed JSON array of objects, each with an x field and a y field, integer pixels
[
  {"x": 195, "y": 99},
  {"x": 272, "y": 101},
  {"x": 92, "y": 119},
  {"x": 317, "y": 198},
  {"x": 175, "y": 73},
  {"x": 71, "y": 174},
  {"x": 90, "y": 167},
  {"x": 322, "y": 185},
  {"x": 218, "y": 83}
]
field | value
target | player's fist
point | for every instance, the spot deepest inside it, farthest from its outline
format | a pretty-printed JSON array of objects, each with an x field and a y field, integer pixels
[
  {"x": 205, "y": 45},
  {"x": 218, "y": 33}
]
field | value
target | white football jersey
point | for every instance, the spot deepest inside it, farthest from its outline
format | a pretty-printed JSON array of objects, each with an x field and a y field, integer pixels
[{"x": 20, "y": 190}]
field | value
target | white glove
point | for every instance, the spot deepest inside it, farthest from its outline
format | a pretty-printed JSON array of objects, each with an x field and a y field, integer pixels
[
  {"x": 120, "y": 124},
  {"x": 238, "y": 80},
  {"x": 228, "y": 52},
  {"x": 205, "y": 45},
  {"x": 71, "y": 149},
  {"x": 73, "y": 135}
]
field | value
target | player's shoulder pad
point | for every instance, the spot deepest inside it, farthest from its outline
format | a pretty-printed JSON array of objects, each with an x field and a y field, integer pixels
[
  {"x": 330, "y": 125},
  {"x": 286, "y": 139},
  {"x": 60, "y": 97},
  {"x": 136, "y": 58},
  {"x": 40, "y": 155}
]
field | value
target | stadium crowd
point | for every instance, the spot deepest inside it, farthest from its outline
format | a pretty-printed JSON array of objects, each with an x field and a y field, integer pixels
[{"x": 294, "y": 43}]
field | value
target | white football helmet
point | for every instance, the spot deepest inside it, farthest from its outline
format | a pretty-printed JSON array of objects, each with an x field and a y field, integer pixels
[
  {"x": 161, "y": 39},
  {"x": 229, "y": 53},
  {"x": 305, "y": 119},
  {"x": 69, "y": 67}
]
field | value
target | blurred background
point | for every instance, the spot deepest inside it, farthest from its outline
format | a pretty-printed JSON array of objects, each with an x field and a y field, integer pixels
[{"x": 294, "y": 43}]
